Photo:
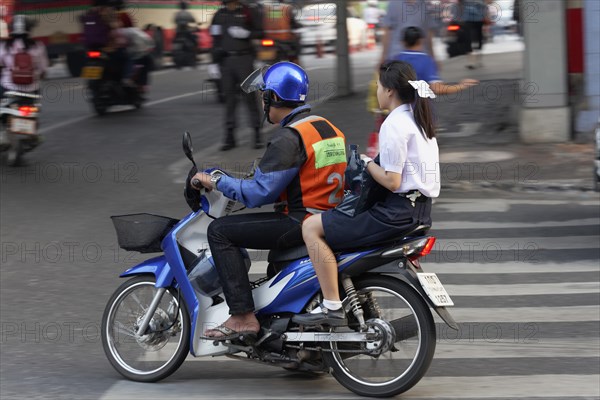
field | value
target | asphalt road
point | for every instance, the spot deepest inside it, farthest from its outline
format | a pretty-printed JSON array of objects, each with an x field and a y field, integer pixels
[{"x": 522, "y": 268}]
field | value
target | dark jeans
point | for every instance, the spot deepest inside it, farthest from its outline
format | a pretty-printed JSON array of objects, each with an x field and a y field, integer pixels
[
  {"x": 263, "y": 231},
  {"x": 234, "y": 70}
]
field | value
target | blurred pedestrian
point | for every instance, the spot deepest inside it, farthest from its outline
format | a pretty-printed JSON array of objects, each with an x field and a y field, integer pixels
[
  {"x": 371, "y": 13},
  {"x": 233, "y": 28},
  {"x": 473, "y": 13},
  {"x": 425, "y": 66},
  {"x": 23, "y": 61},
  {"x": 123, "y": 16},
  {"x": 400, "y": 15},
  {"x": 185, "y": 23},
  {"x": 517, "y": 16},
  {"x": 280, "y": 24}
]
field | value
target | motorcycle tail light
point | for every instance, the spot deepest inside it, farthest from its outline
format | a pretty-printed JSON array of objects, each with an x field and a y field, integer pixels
[
  {"x": 414, "y": 249},
  {"x": 25, "y": 111},
  {"x": 94, "y": 54},
  {"x": 267, "y": 42},
  {"x": 428, "y": 246},
  {"x": 453, "y": 28},
  {"x": 371, "y": 26}
]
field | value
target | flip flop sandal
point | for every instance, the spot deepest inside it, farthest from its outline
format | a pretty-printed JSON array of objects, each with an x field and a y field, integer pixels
[{"x": 229, "y": 334}]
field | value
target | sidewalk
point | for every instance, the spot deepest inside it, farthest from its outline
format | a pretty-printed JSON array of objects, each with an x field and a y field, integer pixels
[{"x": 478, "y": 139}]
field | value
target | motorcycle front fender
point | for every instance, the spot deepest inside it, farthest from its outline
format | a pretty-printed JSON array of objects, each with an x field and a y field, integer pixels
[{"x": 157, "y": 266}]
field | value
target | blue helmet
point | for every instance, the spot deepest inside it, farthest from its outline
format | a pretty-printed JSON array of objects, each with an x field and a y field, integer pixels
[{"x": 287, "y": 80}]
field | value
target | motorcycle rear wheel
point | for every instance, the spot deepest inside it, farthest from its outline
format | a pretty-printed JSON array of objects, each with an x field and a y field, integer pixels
[
  {"x": 392, "y": 372},
  {"x": 14, "y": 155},
  {"x": 153, "y": 356}
]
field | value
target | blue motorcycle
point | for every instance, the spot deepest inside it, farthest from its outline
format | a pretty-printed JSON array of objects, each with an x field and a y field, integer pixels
[{"x": 156, "y": 318}]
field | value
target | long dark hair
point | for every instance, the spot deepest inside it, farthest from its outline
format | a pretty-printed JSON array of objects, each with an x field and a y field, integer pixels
[{"x": 395, "y": 75}]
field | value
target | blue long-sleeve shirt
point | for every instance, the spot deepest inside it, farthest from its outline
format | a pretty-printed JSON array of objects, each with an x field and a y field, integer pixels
[{"x": 279, "y": 166}]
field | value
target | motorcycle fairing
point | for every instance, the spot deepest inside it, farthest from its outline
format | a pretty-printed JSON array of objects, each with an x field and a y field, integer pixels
[
  {"x": 302, "y": 284},
  {"x": 157, "y": 266}
]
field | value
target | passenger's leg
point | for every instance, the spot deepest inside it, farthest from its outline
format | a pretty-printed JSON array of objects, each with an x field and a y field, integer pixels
[
  {"x": 322, "y": 257},
  {"x": 326, "y": 268}
]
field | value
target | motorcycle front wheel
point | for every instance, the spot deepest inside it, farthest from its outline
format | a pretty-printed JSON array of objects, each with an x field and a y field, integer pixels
[
  {"x": 408, "y": 337},
  {"x": 162, "y": 348}
]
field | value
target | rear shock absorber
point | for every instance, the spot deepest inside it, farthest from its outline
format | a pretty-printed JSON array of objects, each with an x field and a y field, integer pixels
[
  {"x": 372, "y": 306},
  {"x": 353, "y": 302}
]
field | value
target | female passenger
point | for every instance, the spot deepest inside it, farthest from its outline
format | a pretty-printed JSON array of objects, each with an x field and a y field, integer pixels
[{"x": 408, "y": 168}]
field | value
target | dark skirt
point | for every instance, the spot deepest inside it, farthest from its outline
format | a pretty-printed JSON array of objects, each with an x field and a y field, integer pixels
[{"x": 387, "y": 219}]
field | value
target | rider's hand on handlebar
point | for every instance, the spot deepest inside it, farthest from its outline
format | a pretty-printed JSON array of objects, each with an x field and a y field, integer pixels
[{"x": 204, "y": 181}]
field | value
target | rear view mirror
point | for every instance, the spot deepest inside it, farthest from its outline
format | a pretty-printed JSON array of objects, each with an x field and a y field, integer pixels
[{"x": 187, "y": 147}]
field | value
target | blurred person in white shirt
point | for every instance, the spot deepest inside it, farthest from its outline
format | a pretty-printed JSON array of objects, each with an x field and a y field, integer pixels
[{"x": 23, "y": 57}]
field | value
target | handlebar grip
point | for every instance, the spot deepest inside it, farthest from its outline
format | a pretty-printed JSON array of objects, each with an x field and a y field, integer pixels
[{"x": 196, "y": 183}]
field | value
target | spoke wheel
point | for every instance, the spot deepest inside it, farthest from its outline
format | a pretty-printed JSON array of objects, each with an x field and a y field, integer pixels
[
  {"x": 156, "y": 354},
  {"x": 405, "y": 346}
]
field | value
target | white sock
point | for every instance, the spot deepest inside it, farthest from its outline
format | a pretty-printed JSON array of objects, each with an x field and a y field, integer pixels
[{"x": 332, "y": 305}]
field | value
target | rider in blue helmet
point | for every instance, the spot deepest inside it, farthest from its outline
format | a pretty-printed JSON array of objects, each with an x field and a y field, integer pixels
[
  {"x": 301, "y": 172},
  {"x": 283, "y": 85}
]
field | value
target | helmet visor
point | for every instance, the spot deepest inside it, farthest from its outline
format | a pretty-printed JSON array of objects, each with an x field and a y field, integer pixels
[{"x": 255, "y": 80}]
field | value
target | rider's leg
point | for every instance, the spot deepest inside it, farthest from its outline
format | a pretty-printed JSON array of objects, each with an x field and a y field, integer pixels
[{"x": 226, "y": 236}]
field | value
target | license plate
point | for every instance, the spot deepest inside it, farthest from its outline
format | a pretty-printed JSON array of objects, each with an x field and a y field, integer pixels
[
  {"x": 267, "y": 55},
  {"x": 92, "y": 72},
  {"x": 22, "y": 126},
  {"x": 434, "y": 289}
]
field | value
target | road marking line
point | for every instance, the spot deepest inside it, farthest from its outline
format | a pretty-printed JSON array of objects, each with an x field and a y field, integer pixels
[
  {"x": 495, "y": 315},
  {"x": 148, "y": 104},
  {"x": 454, "y": 225},
  {"x": 493, "y": 247},
  {"x": 180, "y": 96},
  {"x": 545, "y": 386},
  {"x": 467, "y": 347},
  {"x": 62, "y": 124},
  {"x": 493, "y": 204},
  {"x": 513, "y": 387},
  {"x": 521, "y": 289}
]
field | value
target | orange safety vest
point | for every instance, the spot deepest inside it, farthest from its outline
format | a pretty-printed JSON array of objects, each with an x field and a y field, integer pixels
[
  {"x": 277, "y": 22},
  {"x": 319, "y": 185}
]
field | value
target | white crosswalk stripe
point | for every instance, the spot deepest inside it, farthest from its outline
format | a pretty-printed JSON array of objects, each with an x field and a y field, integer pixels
[{"x": 510, "y": 345}]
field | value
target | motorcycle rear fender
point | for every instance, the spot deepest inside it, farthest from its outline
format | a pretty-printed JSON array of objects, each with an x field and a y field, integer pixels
[
  {"x": 406, "y": 273},
  {"x": 157, "y": 266}
]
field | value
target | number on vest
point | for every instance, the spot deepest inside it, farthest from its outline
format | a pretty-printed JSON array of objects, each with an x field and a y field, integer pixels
[{"x": 333, "y": 178}]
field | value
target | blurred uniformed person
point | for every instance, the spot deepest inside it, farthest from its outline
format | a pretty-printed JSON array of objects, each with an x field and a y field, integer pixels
[
  {"x": 233, "y": 28},
  {"x": 280, "y": 24}
]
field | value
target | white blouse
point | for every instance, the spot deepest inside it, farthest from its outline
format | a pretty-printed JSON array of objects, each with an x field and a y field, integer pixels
[{"x": 405, "y": 150}]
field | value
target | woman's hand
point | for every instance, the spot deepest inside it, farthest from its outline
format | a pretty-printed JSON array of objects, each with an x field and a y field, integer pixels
[
  {"x": 204, "y": 181},
  {"x": 366, "y": 159}
]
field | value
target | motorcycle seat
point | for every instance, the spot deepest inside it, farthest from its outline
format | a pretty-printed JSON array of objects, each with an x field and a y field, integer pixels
[
  {"x": 290, "y": 254},
  {"x": 294, "y": 253}
]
